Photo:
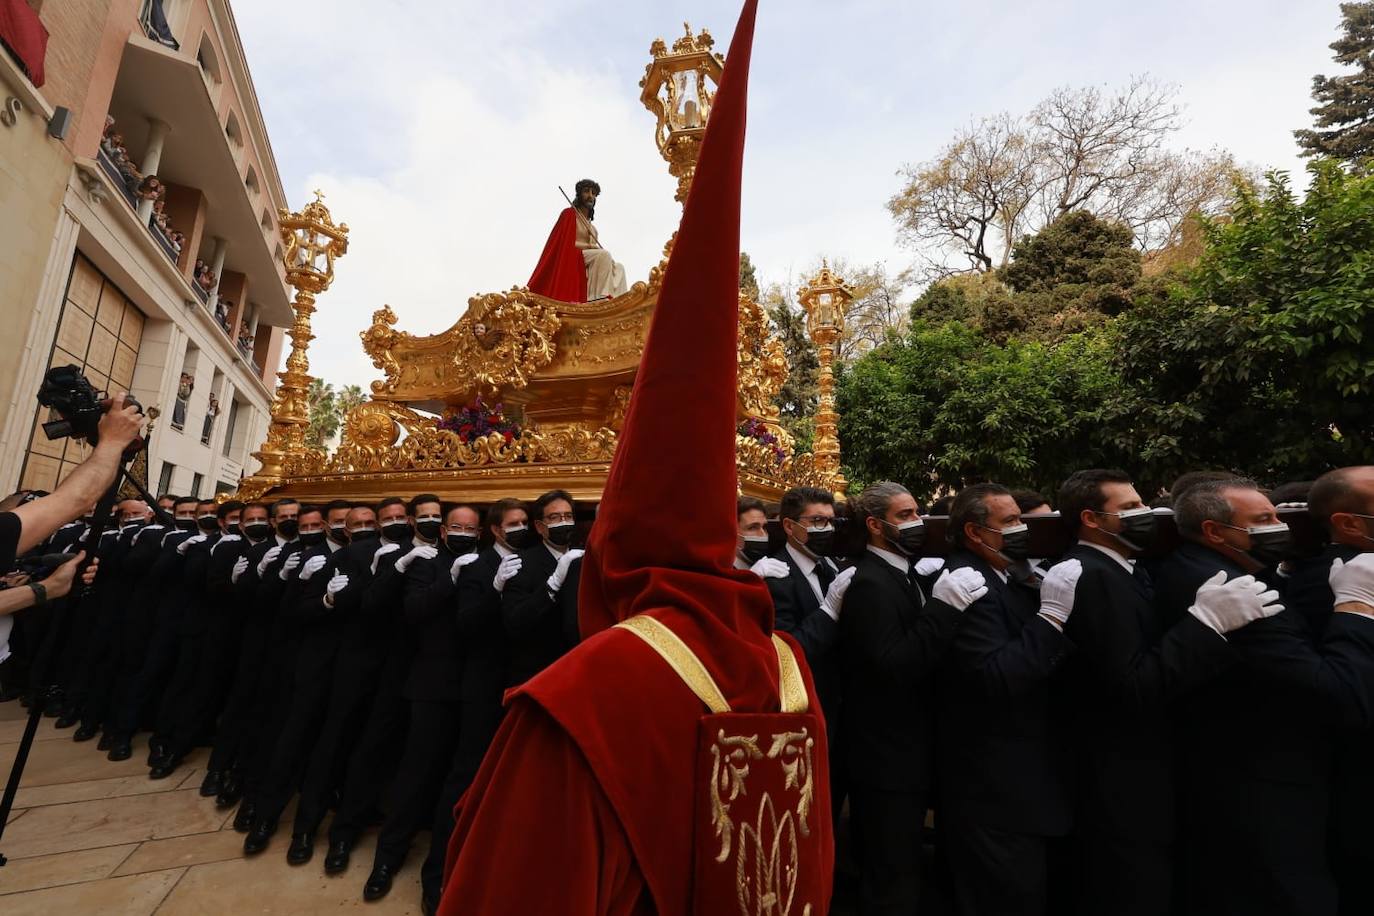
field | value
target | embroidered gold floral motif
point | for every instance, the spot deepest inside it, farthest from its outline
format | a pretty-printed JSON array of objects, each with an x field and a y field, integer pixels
[
  {"x": 794, "y": 751},
  {"x": 729, "y": 769},
  {"x": 767, "y": 866}
]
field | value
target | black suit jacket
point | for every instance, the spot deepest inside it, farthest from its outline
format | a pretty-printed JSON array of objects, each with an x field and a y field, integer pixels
[
  {"x": 1120, "y": 685},
  {"x": 533, "y": 618},
  {"x": 1002, "y": 761},
  {"x": 797, "y": 610},
  {"x": 482, "y": 630},
  {"x": 891, "y": 642},
  {"x": 436, "y": 672}
]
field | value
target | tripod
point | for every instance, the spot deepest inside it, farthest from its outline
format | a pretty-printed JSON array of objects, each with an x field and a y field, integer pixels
[{"x": 43, "y": 671}]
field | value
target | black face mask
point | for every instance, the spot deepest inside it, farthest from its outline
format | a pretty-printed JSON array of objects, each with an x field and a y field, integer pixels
[
  {"x": 313, "y": 538},
  {"x": 289, "y": 528},
  {"x": 430, "y": 530},
  {"x": 754, "y": 549},
  {"x": 339, "y": 534},
  {"x": 256, "y": 531},
  {"x": 907, "y": 537},
  {"x": 1016, "y": 543},
  {"x": 208, "y": 524},
  {"x": 362, "y": 534},
  {"x": 397, "y": 532},
  {"x": 821, "y": 543},
  {"x": 1270, "y": 544},
  {"x": 1138, "y": 530},
  {"x": 519, "y": 538},
  {"x": 186, "y": 524},
  {"x": 460, "y": 544},
  {"x": 561, "y": 535}
]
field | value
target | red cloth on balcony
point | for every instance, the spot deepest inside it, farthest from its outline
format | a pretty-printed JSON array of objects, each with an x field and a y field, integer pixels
[
  {"x": 25, "y": 35},
  {"x": 561, "y": 273}
]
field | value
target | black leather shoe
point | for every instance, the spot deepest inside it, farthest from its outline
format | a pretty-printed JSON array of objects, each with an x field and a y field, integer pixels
[
  {"x": 106, "y": 740},
  {"x": 258, "y": 838},
  {"x": 243, "y": 821},
  {"x": 120, "y": 749},
  {"x": 302, "y": 848},
  {"x": 211, "y": 784},
  {"x": 157, "y": 752},
  {"x": 337, "y": 859},
  {"x": 379, "y": 882},
  {"x": 230, "y": 791},
  {"x": 429, "y": 905},
  {"x": 67, "y": 717},
  {"x": 165, "y": 767},
  {"x": 86, "y": 732}
]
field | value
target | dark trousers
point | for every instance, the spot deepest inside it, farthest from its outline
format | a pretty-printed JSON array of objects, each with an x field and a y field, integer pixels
[
  {"x": 370, "y": 766},
  {"x": 140, "y": 696},
  {"x": 239, "y": 728},
  {"x": 430, "y": 744},
  {"x": 309, "y": 701},
  {"x": 271, "y": 711},
  {"x": 1355, "y": 879},
  {"x": 886, "y": 827},
  {"x": 1119, "y": 876},
  {"x": 353, "y": 688},
  {"x": 216, "y": 658},
  {"x": 994, "y": 872},
  {"x": 478, "y": 726},
  {"x": 135, "y": 640}
]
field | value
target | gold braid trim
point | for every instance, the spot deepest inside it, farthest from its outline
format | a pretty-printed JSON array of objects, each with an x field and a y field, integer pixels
[
  {"x": 791, "y": 687},
  {"x": 680, "y": 658}
]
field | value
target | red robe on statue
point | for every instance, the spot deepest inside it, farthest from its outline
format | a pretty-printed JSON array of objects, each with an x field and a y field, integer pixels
[
  {"x": 561, "y": 273},
  {"x": 675, "y": 762}
]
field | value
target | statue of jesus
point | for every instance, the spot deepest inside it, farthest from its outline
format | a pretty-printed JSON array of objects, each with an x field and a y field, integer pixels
[{"x": 574, "y": 267}]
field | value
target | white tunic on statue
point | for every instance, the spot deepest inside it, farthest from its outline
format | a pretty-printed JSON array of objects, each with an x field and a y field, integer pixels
[{"x": 605, "y": 277}]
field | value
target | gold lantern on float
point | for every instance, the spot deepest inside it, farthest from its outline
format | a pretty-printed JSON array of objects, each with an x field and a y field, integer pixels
[
  {"x": 825, "y": 299},
  {"x": 679, "y": 88}
]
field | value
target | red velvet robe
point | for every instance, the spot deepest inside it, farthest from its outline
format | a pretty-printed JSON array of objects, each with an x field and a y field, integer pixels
[{"x": 561, "y": 273}]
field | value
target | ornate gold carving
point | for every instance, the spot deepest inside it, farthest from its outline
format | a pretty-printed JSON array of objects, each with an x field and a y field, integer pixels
[
  {"x": 762, "y": 369},
  {"x": 825, "y": 299},
  {"x": 679, "y": 89},
  {"x": 618, "y": 407}
]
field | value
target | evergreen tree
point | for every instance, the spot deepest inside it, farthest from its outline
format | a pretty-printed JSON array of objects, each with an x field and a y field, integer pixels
[
  {"x": 1345, "y": 113},
  {"x": 748, "y": 279}
]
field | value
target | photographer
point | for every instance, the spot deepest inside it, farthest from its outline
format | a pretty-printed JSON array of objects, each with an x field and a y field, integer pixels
[{"x": 28, "y": 525}]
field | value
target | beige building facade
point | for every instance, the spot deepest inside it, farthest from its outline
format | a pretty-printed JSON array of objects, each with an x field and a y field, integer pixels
[{"x": 178, "y": 294}]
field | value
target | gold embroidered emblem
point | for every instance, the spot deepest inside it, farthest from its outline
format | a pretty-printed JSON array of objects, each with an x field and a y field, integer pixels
[
  {"x": 794, "y": 751},
  {"x": 729, "y": 770}
]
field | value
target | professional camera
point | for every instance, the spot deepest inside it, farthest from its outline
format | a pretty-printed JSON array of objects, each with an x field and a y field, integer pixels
[{"x": 72, "y": 397}]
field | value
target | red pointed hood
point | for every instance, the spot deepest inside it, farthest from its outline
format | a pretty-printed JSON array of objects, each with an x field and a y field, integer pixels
[{"x": 664, "y": 539}]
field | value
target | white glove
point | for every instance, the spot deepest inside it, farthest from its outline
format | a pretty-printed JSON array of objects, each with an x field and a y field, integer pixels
[
  {"x": 267, "y": 560},
  {"x": 423, "y": 552},
  {"x": 189, "y": 543},
  {"x": 928, "y": 566},
  {"x": 506, "y": 571},
  {"x": 240, "y": 567},
  {"x": 834, "y": 595},
  {"x": 458, "y": 565},
  {"x": 1225, "y": 606},
  {"x": 1057, "y": 592},
  {"x": 560, "y": 572},
  {"x": 335, "y": 585},
  {"x": 312, "y": 566},
  {"x": 959, "y": 588},
  {"x": 1353, "y": 581},
  {"x": 769, "y": 568},
  {"x": 145, "y": 529},
  {"x": 381, "y": 552},
  {"x": 289, "y": 566}
]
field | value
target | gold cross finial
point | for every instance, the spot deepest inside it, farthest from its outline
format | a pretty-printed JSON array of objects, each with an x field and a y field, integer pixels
[{"x": 319, "y": 195}]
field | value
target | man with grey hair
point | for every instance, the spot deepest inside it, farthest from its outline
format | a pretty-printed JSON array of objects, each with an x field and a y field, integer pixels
[
  {"x": 891, "y": 641},
  {"x": 1256, "y": 743}
]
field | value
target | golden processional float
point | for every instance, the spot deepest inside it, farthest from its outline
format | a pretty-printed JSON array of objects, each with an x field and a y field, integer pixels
[{"x": 561, "y": 371}]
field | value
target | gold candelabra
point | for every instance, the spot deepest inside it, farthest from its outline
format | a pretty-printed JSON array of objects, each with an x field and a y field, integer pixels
[
  {"x": 679, "y": 88},
  {"x": 825, "y": 299},
  {"x": 312, "y": 242}
]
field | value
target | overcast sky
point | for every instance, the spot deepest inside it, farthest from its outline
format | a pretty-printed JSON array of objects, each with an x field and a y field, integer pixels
[{"x": 440, "y": 130}]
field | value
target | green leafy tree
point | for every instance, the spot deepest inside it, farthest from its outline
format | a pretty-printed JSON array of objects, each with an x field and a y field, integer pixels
[
  {"x": 1344, "y": 115},
  {"x": 1259, "y": 359},
  {"x": 797, "y": 399},
  {"x": 348, "y": 397},
  {"x": 323, "y": 404}
]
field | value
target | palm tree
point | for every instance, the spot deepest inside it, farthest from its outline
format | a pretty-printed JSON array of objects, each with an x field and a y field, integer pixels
[{"x": 324, "y": 413}]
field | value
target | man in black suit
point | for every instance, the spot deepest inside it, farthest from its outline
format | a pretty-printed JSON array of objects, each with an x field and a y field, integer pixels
[
  {"x": 434, "y": 690},
  {"x": 1256, "y": 743},
  {"x": 529, "y": 603},
  {"x": 1342, "y": 503},
  {"x": 238, "y": 727},
  {"x": 1127, "y": 670},
  {"x": 808, "y": 590},
  {"x": 1002, "y": 772},
  {"x": 892, "y": 639},
  {"x": 323, "y": 582}
]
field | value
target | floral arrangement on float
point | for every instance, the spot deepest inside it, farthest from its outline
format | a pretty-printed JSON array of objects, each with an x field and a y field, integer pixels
[
  {"x": 479, "y": 420},
  {"x": 756, "y": 429}
]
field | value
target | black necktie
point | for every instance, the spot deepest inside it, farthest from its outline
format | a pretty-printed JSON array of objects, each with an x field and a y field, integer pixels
[{"x": 824, "y": 575}]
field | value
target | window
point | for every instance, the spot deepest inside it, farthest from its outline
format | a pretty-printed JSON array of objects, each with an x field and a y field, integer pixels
[
  {"x": 230, "y": 429},
  {"x": 196, "y": 481},
  {"x": 208, "y": 60},
  {"x": 212, "y": 409},
  {"x": 164, "y": 479},
  {"x": 250, "y": 181},
  {"x": 225, "y": 487}
]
